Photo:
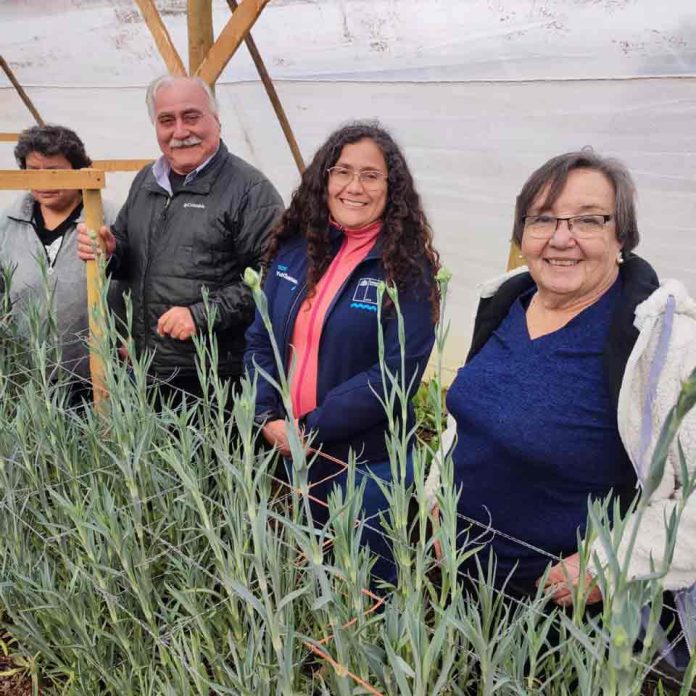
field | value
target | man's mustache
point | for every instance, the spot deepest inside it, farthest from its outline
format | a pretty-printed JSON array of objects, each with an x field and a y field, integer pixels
[{"x": 186, "y": 142}]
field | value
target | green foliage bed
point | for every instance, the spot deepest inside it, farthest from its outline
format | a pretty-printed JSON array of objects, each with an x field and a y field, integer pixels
[{"x": 147, "y": 551}]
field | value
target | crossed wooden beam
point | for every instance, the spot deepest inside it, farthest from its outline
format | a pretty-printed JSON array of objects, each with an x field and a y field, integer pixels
[
  {"x": 91, "y": 181},
  {"x": 207, "y": 59}
]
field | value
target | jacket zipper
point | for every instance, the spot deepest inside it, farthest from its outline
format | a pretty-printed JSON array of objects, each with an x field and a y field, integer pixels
[
  {"x": 292, "y": 314},
  {"x": 160, "y": 226},
  {"x": 52, "y": 264},
  {"x": 313, "y": 320}
]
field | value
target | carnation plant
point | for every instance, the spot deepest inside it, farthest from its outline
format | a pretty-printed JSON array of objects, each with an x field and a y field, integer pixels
[{"x": 153, "y": 549}]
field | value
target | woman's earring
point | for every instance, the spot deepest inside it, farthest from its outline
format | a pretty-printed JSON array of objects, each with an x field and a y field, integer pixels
[{"x": 619, "y": 258}]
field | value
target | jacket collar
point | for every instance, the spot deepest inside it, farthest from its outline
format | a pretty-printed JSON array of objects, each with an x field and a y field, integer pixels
[
  {"x": 497, "y": 296},
  {"x": 22, "y": 210},
  {"x": 638, "y": 282},
  {"x": 336, "y": 237},
  {"x": 200, "y": 184}
]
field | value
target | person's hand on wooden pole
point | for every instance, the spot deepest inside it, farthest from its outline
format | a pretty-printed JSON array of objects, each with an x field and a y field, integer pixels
[{"x": 87, "y": 247}]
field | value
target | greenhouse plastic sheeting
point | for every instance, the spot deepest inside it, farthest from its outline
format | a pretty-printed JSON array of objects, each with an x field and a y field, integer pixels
[{"x": 478, "y": 92}]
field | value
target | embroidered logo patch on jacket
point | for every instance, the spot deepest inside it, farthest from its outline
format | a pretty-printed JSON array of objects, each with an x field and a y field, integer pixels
[
  {"x": 282, "y": 272},
  {"x": 365, "y": 296}
]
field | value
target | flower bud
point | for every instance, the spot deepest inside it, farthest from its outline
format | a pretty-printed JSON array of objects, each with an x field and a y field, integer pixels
[
  {"x": 444, "y": 275},
  {"x": 252, "y": 278}
]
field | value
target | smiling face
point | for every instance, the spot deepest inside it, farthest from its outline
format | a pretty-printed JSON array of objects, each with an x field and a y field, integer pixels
[
  {"x": 568, "y": 271},
  {"x": 58, "y": 201},
  {"x": 350, "y": 204},
  {"x": 188, "y": 131}
]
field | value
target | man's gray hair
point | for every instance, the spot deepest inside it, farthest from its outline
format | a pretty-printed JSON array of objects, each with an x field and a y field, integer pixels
[{"x": 170, "y": 81}]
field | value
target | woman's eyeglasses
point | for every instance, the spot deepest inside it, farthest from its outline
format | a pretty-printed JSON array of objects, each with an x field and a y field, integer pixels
[
  {"x": 580, "y": 226},
  {"x": 369, "y": 178}
]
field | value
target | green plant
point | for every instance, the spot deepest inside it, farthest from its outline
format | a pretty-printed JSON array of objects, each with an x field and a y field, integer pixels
[{"x": 148, "y": 550}]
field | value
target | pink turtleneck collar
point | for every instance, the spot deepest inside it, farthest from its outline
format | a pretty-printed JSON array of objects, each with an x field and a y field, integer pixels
[
  {"x": 306, "y": 336},
  {"x": 368, "y": 230}
]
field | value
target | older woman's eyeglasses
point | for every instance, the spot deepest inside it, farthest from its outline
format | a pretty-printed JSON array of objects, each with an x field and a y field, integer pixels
[
  {"x": 369, "y": 178},
  {"x": 580, "y": 226}
]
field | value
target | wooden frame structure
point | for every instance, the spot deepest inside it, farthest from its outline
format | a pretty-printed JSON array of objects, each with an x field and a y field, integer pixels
[
  {"x": 207, "y": 58},
  {"x": 90, "y": 181}
]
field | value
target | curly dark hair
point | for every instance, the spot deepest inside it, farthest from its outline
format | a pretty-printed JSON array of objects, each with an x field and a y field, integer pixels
[
  {"x": 408, "y": 255},
  {"x": 49, "y": 141}
]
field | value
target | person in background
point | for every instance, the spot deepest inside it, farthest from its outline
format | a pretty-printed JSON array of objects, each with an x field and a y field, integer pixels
[
  {"x": 574, "y": 364},
  {"x": 194, "y": 219},
  {"x": 354, "y": 222},
  {"x": 38, "y": 242}
]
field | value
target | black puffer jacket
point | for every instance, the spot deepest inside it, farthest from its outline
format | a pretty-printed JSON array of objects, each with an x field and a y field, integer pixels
[{"x": 168, "y": 248}]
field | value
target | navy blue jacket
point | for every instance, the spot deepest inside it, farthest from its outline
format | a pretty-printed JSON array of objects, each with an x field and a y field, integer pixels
[{"x": 349, "y": 414}]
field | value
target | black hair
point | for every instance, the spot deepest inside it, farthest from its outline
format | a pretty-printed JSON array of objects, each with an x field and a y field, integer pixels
[{"x": 49, "y": 141}]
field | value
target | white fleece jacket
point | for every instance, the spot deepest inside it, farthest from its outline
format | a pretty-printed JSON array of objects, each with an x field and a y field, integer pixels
[{"x": 679, "y": 363}]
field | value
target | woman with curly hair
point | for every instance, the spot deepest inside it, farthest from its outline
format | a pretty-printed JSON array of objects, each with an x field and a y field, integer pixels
[{"x": 355, "y": 220}]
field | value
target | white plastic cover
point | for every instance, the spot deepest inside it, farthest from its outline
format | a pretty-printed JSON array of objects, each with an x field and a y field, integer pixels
[{"x": 478, "y": 92}]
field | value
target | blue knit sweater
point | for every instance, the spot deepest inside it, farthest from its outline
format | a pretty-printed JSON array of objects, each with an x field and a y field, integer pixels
[{"x": 537, "y": 436}]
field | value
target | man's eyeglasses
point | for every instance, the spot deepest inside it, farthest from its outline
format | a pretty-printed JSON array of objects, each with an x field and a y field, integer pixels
[
  {"x": 369, "y": 178},
  {"x": 580, "y": 226}
]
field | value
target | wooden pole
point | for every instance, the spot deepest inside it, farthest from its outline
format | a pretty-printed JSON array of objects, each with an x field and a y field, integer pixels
[
  {"x": 272, "y": 95},
  {"x": 229, "y": 40},
  {"x": 200, "y": 32},
  {"x": 90, "y": 181},
  {"x": 515, "y": 259},
  {"x": 94, "y": 219},
  {"x": 161, "y": 36},
  {"x": 20, "y": 90}
]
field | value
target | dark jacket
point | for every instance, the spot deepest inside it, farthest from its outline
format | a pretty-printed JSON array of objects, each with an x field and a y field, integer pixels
[
  {"x": 638, "y": 282},
  {"x": 349, "y": 383},
  {"x": 169, "y": 248}
]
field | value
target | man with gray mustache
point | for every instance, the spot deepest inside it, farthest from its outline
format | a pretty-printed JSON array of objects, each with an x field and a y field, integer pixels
[{"x": 194, "y": 219}]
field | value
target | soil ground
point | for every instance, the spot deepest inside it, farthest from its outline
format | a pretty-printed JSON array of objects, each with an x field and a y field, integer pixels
[{"x": 15, "y": 685}]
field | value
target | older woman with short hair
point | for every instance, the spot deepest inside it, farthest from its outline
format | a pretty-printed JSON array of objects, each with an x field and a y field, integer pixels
[{"x": 550, "y": 405}]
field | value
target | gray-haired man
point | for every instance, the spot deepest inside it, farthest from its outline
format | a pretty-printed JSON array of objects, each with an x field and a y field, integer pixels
[{"x": 195, "y": 218}]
